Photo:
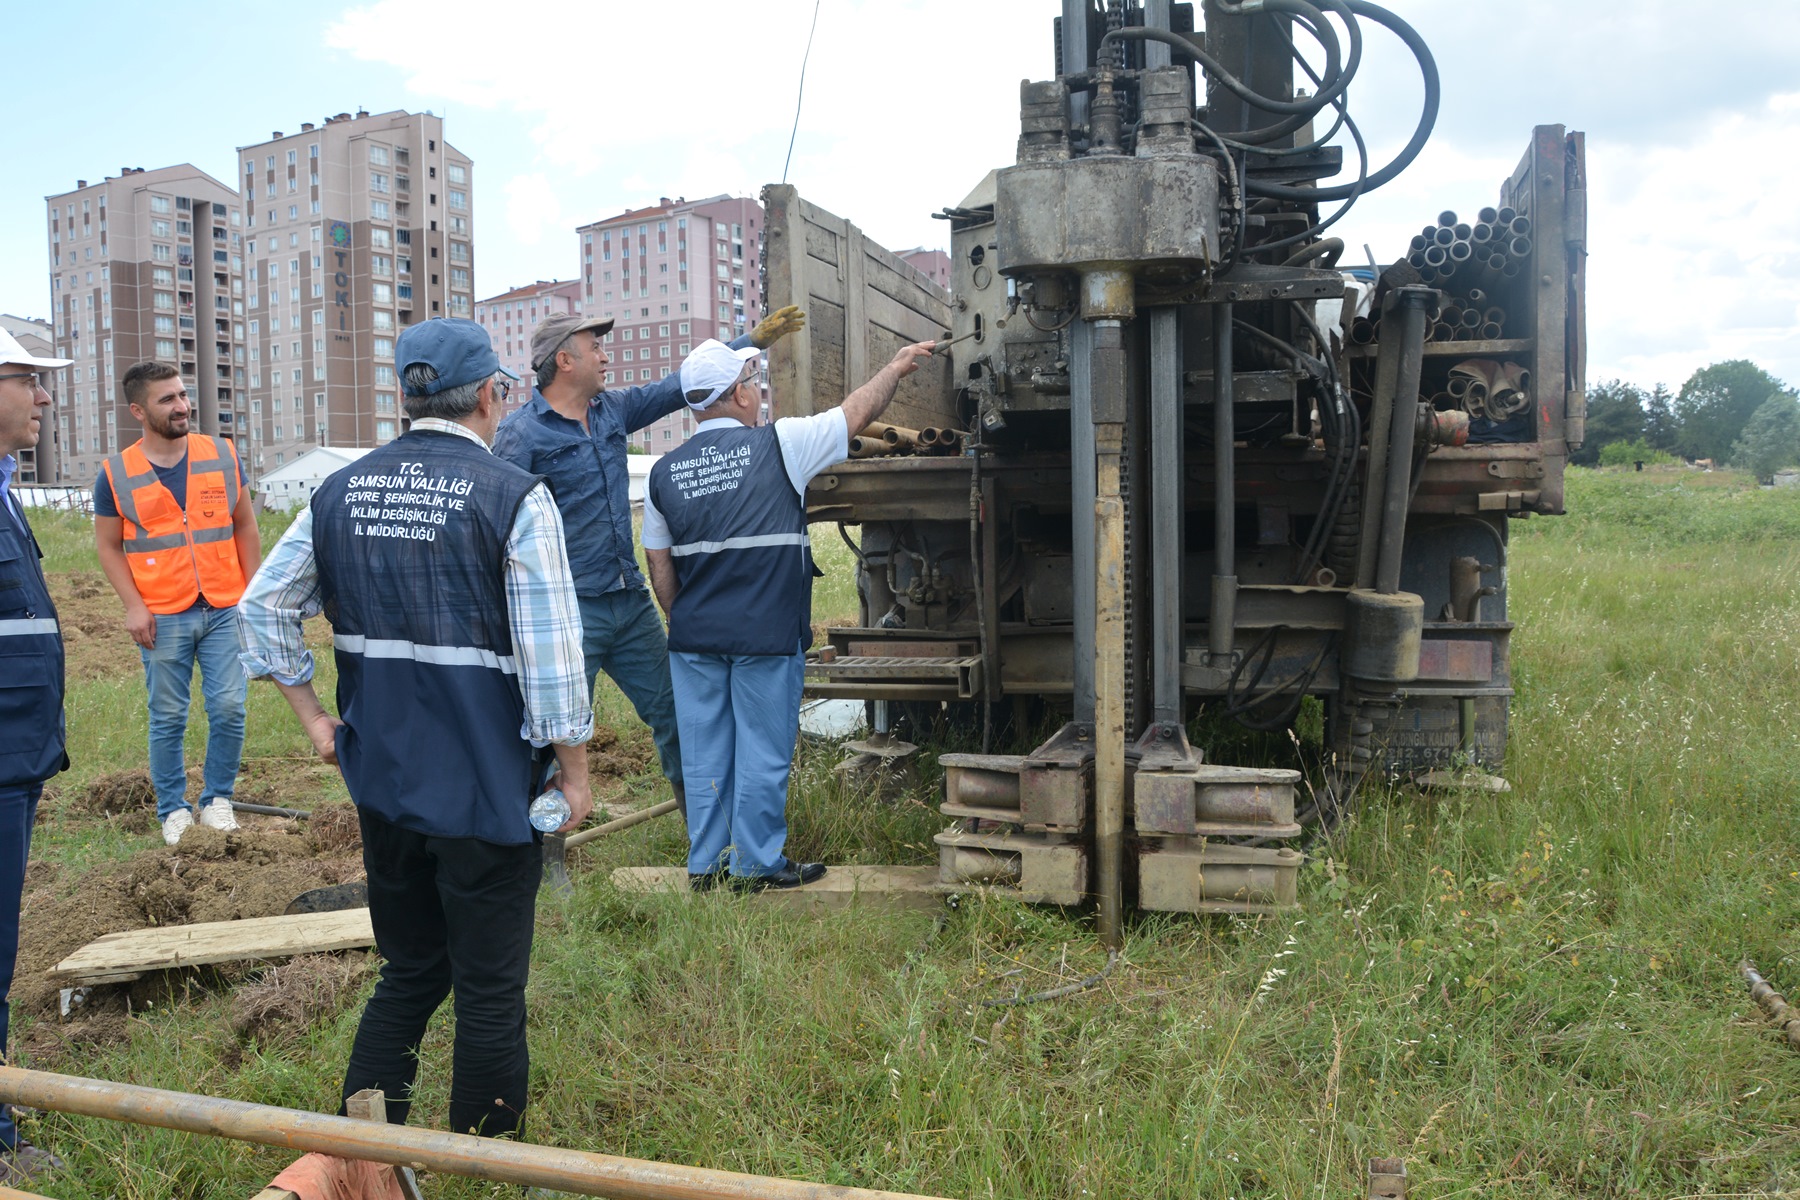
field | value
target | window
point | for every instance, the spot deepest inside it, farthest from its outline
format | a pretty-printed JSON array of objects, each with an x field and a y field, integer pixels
[
  {"x": 384, "y": 376},
  {"x": 165, "y": 348},
  {"x": 381, "y": 264},
  {"x": 378, "y": 182},
  {"x": 159, "y": 229},
  {"x": 378, "y": 211},
  {"x": 459, "y": 252},
  {"x": 457, "y": 173},
  {"x": 459, "y": 277},
  {"x": 384, "y": 347},
  {"x": 384, "y": 431},
  {"x": 162, "y": 300},
  {"x": 160, "y": 252},
  {"x": 380, "y": 239},
  {"x": 459, "y": 199},
  {"x": 381, "y": 319},
  {"x": 162, "y": 276},
  {"x": 383, "y": 293},
  {"x": 378, "y": 155},
  {"x": 158, "y": 204}
]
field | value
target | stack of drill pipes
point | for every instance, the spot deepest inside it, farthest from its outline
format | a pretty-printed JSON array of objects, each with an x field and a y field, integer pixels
[{"x": 893, "y": 435}]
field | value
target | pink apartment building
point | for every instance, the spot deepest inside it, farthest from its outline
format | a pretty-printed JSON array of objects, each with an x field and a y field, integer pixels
[
  {"x": 933, "y": 264},
  {"x": 671, "y": 276},
  {"x": 510, "y": 318}
]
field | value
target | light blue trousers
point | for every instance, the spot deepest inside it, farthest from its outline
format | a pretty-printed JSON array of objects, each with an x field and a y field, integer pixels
[
  {"x": 739, "y": 715},
  {"x": 207, "y": 637}
]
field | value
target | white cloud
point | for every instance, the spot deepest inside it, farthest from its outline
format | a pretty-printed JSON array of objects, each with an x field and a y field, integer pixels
[{"x": 532, "y": 209}]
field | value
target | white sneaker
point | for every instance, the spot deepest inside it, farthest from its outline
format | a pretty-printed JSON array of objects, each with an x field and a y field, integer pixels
[
  {"x": 176, "y": 824},
  {"x": 218, "y": 815}
]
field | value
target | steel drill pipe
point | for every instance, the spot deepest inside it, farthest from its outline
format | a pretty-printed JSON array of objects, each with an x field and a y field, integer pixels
[
  {"x": 1772, "y": 1002},
  {"x": 1409, "y": 321},
  {"x": 1481, "y": 233},
  {"x": 1362, "y": 331},
  {"x": 1441, "y": 332},
  {"x": 869, "y": 447},
  {"x": 1461, "y": 251},
  {"x": 893, "y": 435},
  {"x": 1436, "y": 255},
  {"x": 1519, "y": 226},
  {"x": 1487, "y": 216},
  {"x": 494, "y": 1159},
  {"x": 1477, "y": 296},
  {"x": 1446, "y": 218},
  {"x": 1519, "y": 247},
  {"x": 1443, "y": 235},
  {"x": 1505, "y": 215},
  {"x": 1491, "y": 331}
]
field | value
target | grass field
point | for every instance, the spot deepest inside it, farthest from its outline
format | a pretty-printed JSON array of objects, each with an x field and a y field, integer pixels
[{"x": 1526, "y": 996}]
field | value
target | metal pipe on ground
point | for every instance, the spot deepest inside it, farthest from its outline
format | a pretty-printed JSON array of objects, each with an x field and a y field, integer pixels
[
  {"x": 494, "y": 1159},
  {"x": 1772, "y": 1002},
  {"x": 263, "y": 810},
  {"x": 618, "y": 823}
]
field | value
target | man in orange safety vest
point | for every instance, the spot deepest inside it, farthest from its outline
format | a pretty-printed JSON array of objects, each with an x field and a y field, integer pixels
[{"x": 178, "y": 542}]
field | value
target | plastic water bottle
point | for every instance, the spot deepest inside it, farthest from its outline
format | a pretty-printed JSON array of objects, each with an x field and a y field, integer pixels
[{"x": 550, "y": 811}]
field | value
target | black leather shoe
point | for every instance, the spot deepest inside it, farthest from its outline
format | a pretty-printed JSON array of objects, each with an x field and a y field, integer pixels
[
  {"x": 791, "y": 876},
  {"x": 708, "y": 881}
]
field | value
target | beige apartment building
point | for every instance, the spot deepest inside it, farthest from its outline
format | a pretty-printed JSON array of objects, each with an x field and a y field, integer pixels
[
  {"x": 354, "y": 229},
  {"x": 143, "y": 265}
]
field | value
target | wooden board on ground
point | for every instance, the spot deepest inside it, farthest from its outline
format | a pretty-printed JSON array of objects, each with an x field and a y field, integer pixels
[
  {"x": 120, "y": 957},
  {"x": 902, "y": 887}
]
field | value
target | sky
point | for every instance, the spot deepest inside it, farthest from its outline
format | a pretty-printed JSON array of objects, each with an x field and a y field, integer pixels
[{"x": 574, "y": 112}]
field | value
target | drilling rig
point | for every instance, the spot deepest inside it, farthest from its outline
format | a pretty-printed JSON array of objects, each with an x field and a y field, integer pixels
[{"x": 1178, "y": 455}]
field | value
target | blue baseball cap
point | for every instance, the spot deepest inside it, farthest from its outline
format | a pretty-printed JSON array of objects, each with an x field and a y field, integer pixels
[{"x": 460, "y": 351}]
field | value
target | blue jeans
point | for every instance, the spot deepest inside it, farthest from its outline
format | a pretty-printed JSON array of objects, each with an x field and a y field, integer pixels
[
  {"x": 18, "y": 809},
  {"x": 208, "y": 636},
  {"x": 739, "y": 716},
  {"x": 622, "y": 635}
]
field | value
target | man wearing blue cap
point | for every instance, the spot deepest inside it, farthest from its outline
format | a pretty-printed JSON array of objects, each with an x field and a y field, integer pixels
[{"x": 458, "y": 646}]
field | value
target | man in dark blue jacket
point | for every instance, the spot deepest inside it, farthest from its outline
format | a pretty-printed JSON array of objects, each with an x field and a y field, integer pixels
[
  {"x": 574, "y": 433},
  {"x": 31, "y": 696},
  {"x": 725, "y": 538}
]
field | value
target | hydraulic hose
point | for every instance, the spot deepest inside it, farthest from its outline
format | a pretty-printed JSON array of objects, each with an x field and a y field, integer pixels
[{"x": 1427, "y": 119}]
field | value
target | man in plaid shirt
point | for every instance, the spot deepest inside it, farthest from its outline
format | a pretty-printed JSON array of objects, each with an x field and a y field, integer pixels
[{"x": 458, "y": 645}]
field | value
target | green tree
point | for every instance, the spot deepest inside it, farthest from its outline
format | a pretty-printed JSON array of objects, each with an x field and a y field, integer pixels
[
  {"x": 1771, "y": 438},
  {"x": 1661, "y": 429},
  {"x": 1715, "y": 404},
  {"x": 1615, "y": 413}
]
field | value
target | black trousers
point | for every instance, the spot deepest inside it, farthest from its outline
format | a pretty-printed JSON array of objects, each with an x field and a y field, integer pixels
[{"x": 449, "y": 914}]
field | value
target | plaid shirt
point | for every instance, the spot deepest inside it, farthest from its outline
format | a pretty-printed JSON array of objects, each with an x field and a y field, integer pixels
[{"x": 540, "y": 603}]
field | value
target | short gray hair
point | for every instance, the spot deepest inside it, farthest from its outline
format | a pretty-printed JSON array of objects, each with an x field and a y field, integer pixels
[
  {"x": 451, "y": 404},
  {"x": 546, "y": 373}
]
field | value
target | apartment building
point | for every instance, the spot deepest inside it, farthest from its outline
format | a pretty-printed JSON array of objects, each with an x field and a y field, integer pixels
[
  {"x": 354, "y": 229},
  {"x": 671, "y": 276},
  {"x": 510, "y": 318},
  {"x": 38, "y": 464},
  {"x": 932, "y": 264},
  {"x": 143, "y": 265}
]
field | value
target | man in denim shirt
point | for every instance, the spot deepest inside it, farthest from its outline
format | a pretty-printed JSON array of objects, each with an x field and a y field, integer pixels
[{"x": 575, "y": 434}]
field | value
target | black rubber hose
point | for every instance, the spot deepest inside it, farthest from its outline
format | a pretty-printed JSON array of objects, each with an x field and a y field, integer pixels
[
  {"x": 1237, "y": 87},
  {"x": 1256, "y": 137},
  {"x": 1331, "y": 248},
  {"x": 1427, "y": 119}
]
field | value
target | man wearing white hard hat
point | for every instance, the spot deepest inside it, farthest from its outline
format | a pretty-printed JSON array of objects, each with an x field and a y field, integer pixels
[
  {"x": 731, "y": 564},
  {"x": 31, "y": 700}
]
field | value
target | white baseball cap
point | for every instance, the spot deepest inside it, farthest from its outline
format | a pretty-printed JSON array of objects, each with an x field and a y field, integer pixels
[
  {"x": 12, "y": 352},
  {"x": 713, "y": 368}
]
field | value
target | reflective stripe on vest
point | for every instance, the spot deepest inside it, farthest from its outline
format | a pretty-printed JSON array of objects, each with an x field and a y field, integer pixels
[
  {"x": 154, "y": 528},
  {"x": 440, "y": 656},
  {"x": 28, "y": 627},
  {"x": 742, "y": 543}
]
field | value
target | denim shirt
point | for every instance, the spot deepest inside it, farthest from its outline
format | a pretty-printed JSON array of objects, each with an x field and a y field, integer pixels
[{"x": 587, "y": 473}]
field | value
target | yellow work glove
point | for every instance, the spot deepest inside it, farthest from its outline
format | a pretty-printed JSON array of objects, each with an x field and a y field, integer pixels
[{"x": 777, "y": 325}]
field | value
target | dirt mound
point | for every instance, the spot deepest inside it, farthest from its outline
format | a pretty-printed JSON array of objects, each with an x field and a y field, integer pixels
[
  {"x": 293, "y": 996},
  {"x": 120, "y": 792},
  {"x": 334, "y": 829},
  {"x": 613, "y": 759},
  {"x": 210, "y": 876}
]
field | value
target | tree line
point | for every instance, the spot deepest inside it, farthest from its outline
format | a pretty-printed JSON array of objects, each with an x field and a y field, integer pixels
[{"x": 1731, "y": 412}]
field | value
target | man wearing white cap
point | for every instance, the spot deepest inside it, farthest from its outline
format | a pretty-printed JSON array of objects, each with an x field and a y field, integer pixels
[
  {"x": 725, "y": 538},
  {"x": 31, "y": 698}
]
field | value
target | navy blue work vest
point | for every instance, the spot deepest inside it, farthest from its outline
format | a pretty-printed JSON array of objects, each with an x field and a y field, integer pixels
[
  {"x": 741, "y": 552},
  {"x": 410, "y": 542},
  {"x": 31, "y": 661}
]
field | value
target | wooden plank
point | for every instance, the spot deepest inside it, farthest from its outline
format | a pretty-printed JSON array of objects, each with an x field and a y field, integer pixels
[
  {"x": 127, "y": 955},
  {"x": 901, "y": 887}
]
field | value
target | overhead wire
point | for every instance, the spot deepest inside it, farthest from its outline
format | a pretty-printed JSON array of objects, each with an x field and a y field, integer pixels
[{"x": 800, "y": 93}]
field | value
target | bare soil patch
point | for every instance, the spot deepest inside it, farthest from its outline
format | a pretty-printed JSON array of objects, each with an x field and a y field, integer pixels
[{"x": 613, "y": 759}]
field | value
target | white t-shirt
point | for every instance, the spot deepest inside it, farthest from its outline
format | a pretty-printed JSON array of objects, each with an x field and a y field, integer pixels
[{"x": 808, "y": 446}]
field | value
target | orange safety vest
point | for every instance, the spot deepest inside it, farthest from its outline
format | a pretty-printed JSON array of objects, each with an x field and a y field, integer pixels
[{"x": 176, "y": 557}]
